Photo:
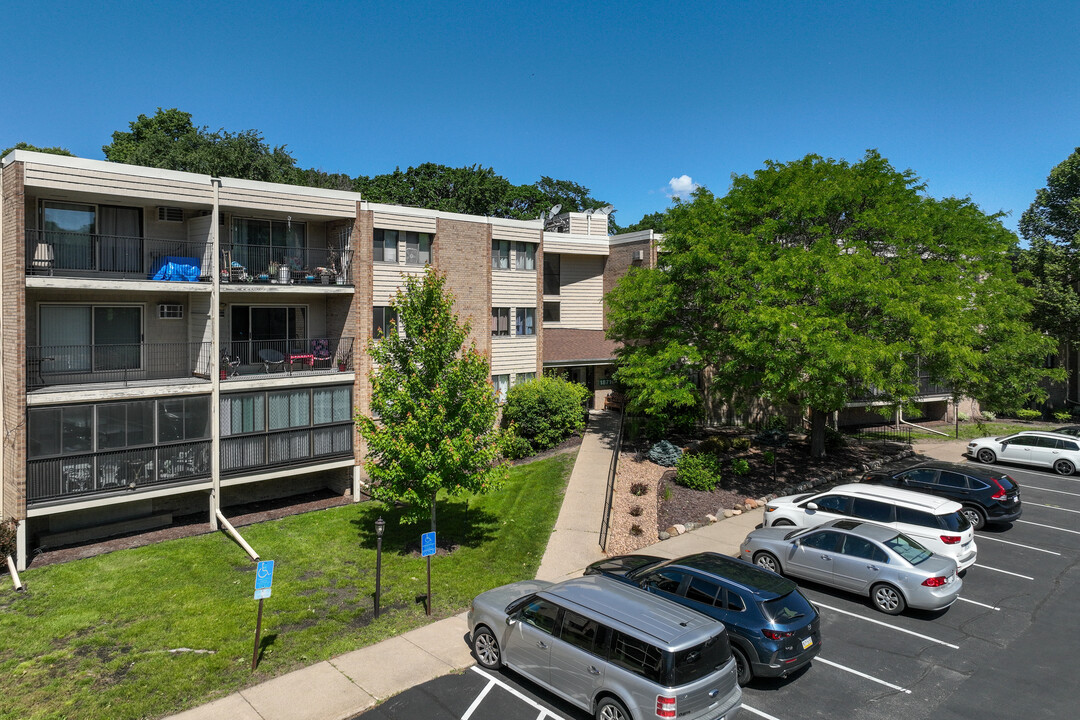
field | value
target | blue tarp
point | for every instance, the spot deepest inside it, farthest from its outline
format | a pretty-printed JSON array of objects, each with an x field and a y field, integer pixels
[{"x": 176, "y": 269}]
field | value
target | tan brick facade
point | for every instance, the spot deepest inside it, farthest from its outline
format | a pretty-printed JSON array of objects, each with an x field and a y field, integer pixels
[
  {"x": 13, "y": 341},
  {"x": 463, "y": 251},
  {"x": 363, "y": 237},
  {"x": 619, "y": 261}
]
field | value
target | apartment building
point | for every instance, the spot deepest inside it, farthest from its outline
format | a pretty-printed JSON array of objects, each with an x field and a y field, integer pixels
[{"x": 174, "y": 343}]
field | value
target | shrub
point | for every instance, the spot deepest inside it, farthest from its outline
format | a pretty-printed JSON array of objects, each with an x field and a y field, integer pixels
[
  {"x": 740, "y": 466},
  {"x": 698, "y": 471},
  {"x": 989, "y": 416},
  {"x": 8, "y": 544},
  {"x": 1063, "y": 416},
  {"x": 740, "y": 444},
  {"x": 545, "y": 411},
  {"x": 833, "y": 438},
  {"x": 770, "y": 456},
  {"x": 963, "y": 417},
  {"x": 638, "y": 489},
  {"x": 714, "y": 445},
  {"x": 636, "y": 511},
  {"x": 636, "y": 530},
  {"x": 1025, "y": 414},
  {"x": 667, "y": 492},
  {"x": 512, "y": 446},
  {"x": 664, "y": 453}
]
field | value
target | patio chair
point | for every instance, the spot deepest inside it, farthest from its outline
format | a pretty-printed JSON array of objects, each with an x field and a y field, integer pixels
[
  {"x": 271, "y": 358},
  {"x": 320, "y": 353},
  {"x": 44, "y": 257},
  {"x": 230, "y": 364}
]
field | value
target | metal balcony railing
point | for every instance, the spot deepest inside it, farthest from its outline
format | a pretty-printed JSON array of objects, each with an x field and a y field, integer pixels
[
  {"x": 286, "y": 266},
  {"x": 284, "y": 448},
  {"x": 115, "y": 471},
  {"x": 243, "y": 358},
  {"x": 80, "y": 364},
  {"x": 927, "y": 388},
  {"x": 49, "y": 252}
]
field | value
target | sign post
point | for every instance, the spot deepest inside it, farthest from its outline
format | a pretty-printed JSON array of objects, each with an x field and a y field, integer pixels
[
  {"x": 427, "y": 549},
  {"x": 264, "y": 578}
]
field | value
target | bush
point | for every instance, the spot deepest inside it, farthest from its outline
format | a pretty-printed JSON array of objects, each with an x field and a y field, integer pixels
[
  {"x": 698, "y": 471},
  {"x": 740, "y": 444},
  {"x": 963, "y": 417},
  {"x": 740, "y": 466},
  {"x": 1025, "y": 414},
  {"x": 545, "y": 411},
  {"x": 834, "y": 439},
  {"x": 989, "y": 416},
  {"x": 714, "y": 445},
  {"x": 664, "y": 453},
  {"x": 8, "y": 544},
  {"x": 638, "y": 489},
  {"x": 770, "y": 456},
  {"x": 1063, "y": 416},
  {"x": 512, "y": 446}
]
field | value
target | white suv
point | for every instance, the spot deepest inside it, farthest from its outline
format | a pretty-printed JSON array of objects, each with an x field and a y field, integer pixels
[
  {"x": 936, "y": 522},
  {"x": 1058, "y": 451}
]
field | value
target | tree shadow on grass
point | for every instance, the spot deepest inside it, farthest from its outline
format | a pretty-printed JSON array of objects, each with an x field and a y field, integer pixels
[{"x": 458, "y": 524}]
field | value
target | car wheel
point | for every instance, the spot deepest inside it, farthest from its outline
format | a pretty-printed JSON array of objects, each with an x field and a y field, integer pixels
[
  {"x": 1064, "y": 467},
  {"x": 486, "y": 648},
  {"x": 975, "y": 517},
  {"x": 611, "y": 709},
  {"x": 887, "y": 599},
  {"x": 768, "y": 561},
  {"x": 783, "y": 522},
  {"x": 986, "y": 456},
  {"x": 743, "y": 673}
]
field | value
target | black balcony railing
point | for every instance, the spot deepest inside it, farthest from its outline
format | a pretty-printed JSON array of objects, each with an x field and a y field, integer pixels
[
  {"x": 926, "y": 388},
  {"x": 300, "y": 355},
  {"x": 286, "y": 266},
  {"x": 77, "y": 364},
  {"x": 284, "y": 448},
  {"x": 116, "y": 471},
  {"x": 50, "y": 252}
]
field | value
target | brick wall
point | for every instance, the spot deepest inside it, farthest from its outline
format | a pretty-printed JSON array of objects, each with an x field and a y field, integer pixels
[
  {"x": 360, "y": 313},
  {"x": 13, "y": 341},
  {"x": 462, "y": 250},
  {"x": 619, "y": 262}
]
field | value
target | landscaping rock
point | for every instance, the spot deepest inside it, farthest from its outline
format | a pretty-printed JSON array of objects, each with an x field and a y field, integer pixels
[
  {"x": 729, "y": 513},
  {"x": 662, "y": 535},
  {"x": 711, "y": 518},
  {"x": 736, "y": 511}
]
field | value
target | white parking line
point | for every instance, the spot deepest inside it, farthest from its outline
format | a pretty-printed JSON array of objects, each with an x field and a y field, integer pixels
[
  {"x": 1060, "y": 492},
  {"x": 478, "y": 700},
  {"x": 979, "y": 603},
  {"x": 862, "y": 675},
  {"x": 1052, "y": 507},
  {"x": 513, "y": 691},
  {"x": 885, "y": 624},
  {"x": 759, "y": 713},
  {"x": 1028, "y": 522},
  {"x": 1010, "y": 542},
  {"x": 987, "y": 567}
]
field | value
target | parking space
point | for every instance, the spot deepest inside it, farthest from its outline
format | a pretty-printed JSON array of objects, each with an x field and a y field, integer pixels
[{"x": 1008, "y": 646}]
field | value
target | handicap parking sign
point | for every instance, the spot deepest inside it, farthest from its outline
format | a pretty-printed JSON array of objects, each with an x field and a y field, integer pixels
[
  {"x": 427, "y": 544},
  {"x": 264, "y": 578}
]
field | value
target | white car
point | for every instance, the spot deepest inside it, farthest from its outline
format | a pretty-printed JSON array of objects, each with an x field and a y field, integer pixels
[
  {"x": 1029, "y": 447},
  {"x": 935, "y": 522}
]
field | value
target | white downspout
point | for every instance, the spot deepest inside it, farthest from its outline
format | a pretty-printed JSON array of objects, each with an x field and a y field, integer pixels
[
  {"x": 227, "y": 526},
  {"x": 19, "y": 587}
]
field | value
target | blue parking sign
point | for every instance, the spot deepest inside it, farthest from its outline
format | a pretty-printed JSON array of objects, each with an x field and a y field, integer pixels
[
  {"x": 427, "y": 544},
  {"x": 264, "y": 575}
]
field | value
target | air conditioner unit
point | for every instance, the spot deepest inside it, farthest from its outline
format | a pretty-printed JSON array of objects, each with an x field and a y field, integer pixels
[
  {"x": 170, "y": 214},
  {"x": 639, "y": 255},
  {"x": 170, "y": 311}
]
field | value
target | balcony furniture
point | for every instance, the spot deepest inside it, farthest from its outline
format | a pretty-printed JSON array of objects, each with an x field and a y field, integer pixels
[
  {"x": 230, "y": 365},
  {"x": 109, "y": 476},
  {"x": 301, "y": 357},
  {"x": 271, "y": 358},
  {"x": 320, "y": 353},
  {"x": 173, "y": 268},
  {"x": 44, "y": 257},
  {"x": 76, "y": 477}
]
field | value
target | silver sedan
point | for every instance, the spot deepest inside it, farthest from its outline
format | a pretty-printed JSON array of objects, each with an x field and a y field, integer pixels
[{"x": 872, "y": 560}]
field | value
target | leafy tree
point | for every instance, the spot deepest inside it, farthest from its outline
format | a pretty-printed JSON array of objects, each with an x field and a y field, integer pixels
[
  {"x": 656, "y": 221},
  {"x": 1051, "y": 225},
  {"x": 813, "y": 280},
  {"x": 169, "y": 140},
  {"x": 34, "y": 148},
  {"x": 435, "y": 406}
]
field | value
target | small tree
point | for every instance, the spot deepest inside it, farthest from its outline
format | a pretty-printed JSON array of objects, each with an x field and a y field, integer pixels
[
  {"x": 545, "y": 411},
  {"x": 435, "y": 406}
]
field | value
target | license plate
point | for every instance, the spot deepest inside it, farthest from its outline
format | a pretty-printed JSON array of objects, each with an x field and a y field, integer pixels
[{"x": 807, "y": 642}]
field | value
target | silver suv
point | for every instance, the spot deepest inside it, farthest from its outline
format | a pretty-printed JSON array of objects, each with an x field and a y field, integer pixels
[
  {"x": 1029, "y": 447},
  {"x": 608, "y": 648}
]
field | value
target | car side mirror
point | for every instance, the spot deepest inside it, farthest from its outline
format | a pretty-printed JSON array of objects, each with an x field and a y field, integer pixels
[
  {"x": 811, "y": 506},
  {"x": 510, "y": 620}
]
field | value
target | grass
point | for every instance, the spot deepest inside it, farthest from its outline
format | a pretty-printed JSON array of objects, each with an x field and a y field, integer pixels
[
  {"x": 92, "y": 638},
  {"x": 971, "y": 430}
]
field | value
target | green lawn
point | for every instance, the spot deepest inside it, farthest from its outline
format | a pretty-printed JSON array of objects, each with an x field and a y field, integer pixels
[
  {"x": 972, "y": 430},
  {"x": 92, "y": 638}
]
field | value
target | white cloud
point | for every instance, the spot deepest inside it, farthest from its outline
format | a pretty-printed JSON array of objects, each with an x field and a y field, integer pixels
[{"x": 681, "y": 187}]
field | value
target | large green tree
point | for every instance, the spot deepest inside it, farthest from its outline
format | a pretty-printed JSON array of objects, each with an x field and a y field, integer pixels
[
  {"x": 433, "y": 406},
  {"x": 28, "y": 146},
  {"x": 1051, "y": 225},
  {"x": 815, "y": 280}
]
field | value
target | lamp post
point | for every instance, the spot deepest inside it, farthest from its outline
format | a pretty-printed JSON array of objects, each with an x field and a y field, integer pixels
[{"x": 380, "y": 526}]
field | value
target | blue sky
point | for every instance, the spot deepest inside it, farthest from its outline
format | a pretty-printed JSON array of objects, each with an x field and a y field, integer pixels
[{"x": 980, "y": 99}]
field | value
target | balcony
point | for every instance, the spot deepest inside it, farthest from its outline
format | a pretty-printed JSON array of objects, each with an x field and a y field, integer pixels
[
  {"x": 71, "y": 254},
  {"x": 142, "y": 363},
  {"x": 285, "y": 266},
  {"x": 77, "y": 476},
  {"x": 245, "y": 454},
  {"x": 927, "y": 388},
  {"x": 308, "y": 356}
]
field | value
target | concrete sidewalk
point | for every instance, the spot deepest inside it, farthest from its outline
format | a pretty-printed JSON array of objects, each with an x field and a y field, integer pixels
[{"x": 351, "y": 683}]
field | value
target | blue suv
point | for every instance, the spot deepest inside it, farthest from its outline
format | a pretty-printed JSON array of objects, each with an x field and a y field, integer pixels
[{"x": 772, "y": 627}]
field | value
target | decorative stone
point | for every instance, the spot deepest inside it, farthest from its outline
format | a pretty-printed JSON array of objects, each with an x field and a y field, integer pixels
[
  {"x": 676, "y": 529},
  {"x": 749, "y": 503},
  {"x": 729, "y": 513},
  {"x": 710, "y": 518},
  {"x": 663, "y": 535},
  {"x": 736, "y": 511}
]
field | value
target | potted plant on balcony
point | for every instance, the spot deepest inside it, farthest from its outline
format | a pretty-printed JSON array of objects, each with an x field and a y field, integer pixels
[
  {"x": 275, "y": 269},
  {"x": 343, "y": 359}
]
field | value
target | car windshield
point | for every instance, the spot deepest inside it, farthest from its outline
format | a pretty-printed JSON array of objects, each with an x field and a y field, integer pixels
[
  {"x": 908, "y": 549},
  {"x": 787, "y": 608}
]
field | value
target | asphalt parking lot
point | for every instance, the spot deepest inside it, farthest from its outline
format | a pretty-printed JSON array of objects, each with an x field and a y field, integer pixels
[{"x": 1007, "y": 648}]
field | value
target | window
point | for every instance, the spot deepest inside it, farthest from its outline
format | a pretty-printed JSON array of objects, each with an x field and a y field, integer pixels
[
  {"x": 952, "y": 480},
  {"x": 93, "y": 237},
  {"x": 837, "y": 504},
  {"x": 872, "y": 510},
  {"x": 526, "y": 256},
  {"x": 702, "y": 591},
  {"x": 637, "y": 656},
  {"x": 60, "y": 431},
  {"x": 417, "y": 248},
  {"x": 581, "y": 632},
  {"x": 524, "y": 377},
  {"x": 500, "y": 321},
  {"x": 696, "y": 663},
  {"x": 912, "y": 516},
  {"x": 384, "y": 321},
  {"x": 552, "y": 273},
  {"x": 386, "y": 246},
  {"x": 288, "y": 409},
  {"x": 243, "y": 414},
  {"x": 665, "y": 580},
  {"x": 920, "y": 475},
  {"x": 330, "y": 405},
  {"x": 502, "y": 384},
  {"x": 825, "y": 540},
  {"x": 258, "y": 242},
  {"x": 82, "y": 338},
  {"x": 183, "y": 419},
  {"x": 526, "y": 321},
  {"x": 859, "y": 547},
  {"x": 733, "y": 602},
  {"x": 908, "y": 549},
  {"x": 541, "y": 614},
  {"x": 551, "y": 312},
  {"x": 500, "y": 254},
  {"x": 120, "y": 425}
]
